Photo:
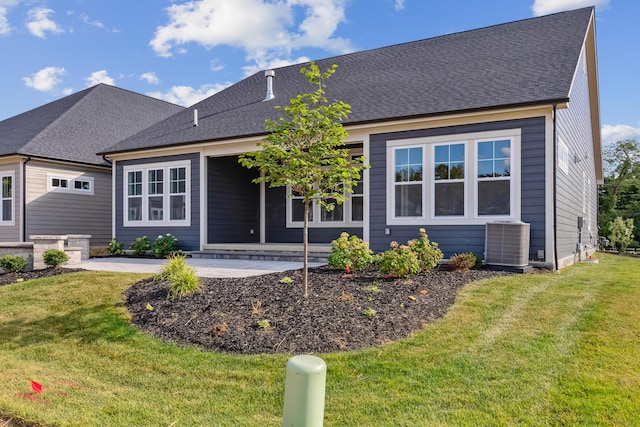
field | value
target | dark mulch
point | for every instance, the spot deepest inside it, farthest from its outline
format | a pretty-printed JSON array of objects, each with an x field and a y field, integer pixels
[
  {"x": 23, "y": 276},
  {"x": 343, "y": 311}
]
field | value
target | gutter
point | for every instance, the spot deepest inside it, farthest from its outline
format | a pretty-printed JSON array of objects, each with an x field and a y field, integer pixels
[{"x": 555, "y": 190}]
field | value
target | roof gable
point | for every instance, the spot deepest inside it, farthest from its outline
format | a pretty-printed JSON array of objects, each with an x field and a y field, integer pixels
[
  {"x": 76, "y": 127},
  {"x": 519, "y": 63}
]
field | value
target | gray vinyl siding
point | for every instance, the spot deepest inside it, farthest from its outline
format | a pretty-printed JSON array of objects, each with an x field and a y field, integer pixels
[
  {"x": 462, "y": 238},
  {"x": 11, "y": 233},
  {"x": 188, "y": 236},
  {"x": 574, "y": 128},
  {"x": 233, "y": 206},
  {"x": 276, "y": 223},
  {"x": 68, "y": 212}
]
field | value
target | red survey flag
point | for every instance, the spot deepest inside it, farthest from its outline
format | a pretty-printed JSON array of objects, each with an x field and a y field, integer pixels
[{"x": 36, "y": 387}]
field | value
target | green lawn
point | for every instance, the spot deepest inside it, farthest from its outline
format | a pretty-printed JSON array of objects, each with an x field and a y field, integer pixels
[{"x": 544, "y": 349}]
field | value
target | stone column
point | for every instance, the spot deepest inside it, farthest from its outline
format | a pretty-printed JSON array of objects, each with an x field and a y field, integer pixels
[
  {"x": 41, "y": 244},
  {"x": 80, "y": 241}
]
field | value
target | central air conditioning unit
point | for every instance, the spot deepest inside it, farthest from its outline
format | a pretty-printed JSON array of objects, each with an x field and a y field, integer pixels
[{"x": 507, "y": 243}]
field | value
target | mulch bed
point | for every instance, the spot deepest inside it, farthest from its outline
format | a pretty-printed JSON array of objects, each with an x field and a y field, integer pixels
[
  {"x": 257, "y": 315},
  {"x": 23, "y": 276}
]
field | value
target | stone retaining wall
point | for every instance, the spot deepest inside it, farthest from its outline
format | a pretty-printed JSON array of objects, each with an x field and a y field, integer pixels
[{"x": 76, "y": 247}]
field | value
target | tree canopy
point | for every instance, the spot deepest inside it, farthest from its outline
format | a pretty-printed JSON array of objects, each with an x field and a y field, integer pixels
[
  {"x": 620, "y": 194},
  {"x": 305, "y": 151}
]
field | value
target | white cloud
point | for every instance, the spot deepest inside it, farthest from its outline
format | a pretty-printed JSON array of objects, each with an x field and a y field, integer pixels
[
  {"x": 150, "y": 78},
  {"x": 186, "y": 95},
  {"x": 100, "y": 77},
  {"x": 5, "y": 28},
  {"x": 399, "y": 4},
  {"x": 545, "y": 7},
  {"x": 215, "y": 65},
  {"x": 266, "y": 30},
  {"x": 615, "y": 133},
  {"x": 46, "y": 79},
  {"x": 39, "y": 23}
]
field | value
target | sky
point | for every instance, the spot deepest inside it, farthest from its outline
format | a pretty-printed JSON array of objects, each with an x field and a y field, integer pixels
[{"x": 184, "y": 51}]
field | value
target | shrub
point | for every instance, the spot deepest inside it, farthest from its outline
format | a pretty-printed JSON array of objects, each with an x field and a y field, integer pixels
[
  {"x": 140, "y": 246},
  {"x": 350, "y": 253},
  {"x": 464, "y": 262},
  {"x": 181, "y": 278},
  {"x": 429, "y": 255},
  {"x": 399, "y": 261},
  {"x": 164, "y": 245},
  {"x": 13, "y": 263},
  {"x": 55, "y": 257},
  {"x": 115, "y": 247}
]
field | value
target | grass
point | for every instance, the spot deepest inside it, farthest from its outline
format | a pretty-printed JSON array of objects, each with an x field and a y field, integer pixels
[{"x": 552, "y": 349}]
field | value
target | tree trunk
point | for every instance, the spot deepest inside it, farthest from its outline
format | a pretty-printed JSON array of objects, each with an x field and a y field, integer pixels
[{"x": 305, "y": 249}]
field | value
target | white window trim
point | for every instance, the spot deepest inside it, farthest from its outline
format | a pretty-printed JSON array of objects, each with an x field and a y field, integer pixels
[
  {"x": 563, "y": 156},
  {"x": 470, "y": 140},
  {"x": 145, "y": 168},
  {"x": 12, "y": 222},
  {"x": 71, "y": 180},
  {"x": 316, "y": 207}
]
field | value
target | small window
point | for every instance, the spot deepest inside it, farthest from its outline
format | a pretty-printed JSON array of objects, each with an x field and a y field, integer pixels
[
  {"x": 408, "y": 182},
  {"x": 82, "y": 185},
  {"x": 494, "y": 178},
  {"x": 563, "y": 156},
  {"x": 59, "y": 183}
]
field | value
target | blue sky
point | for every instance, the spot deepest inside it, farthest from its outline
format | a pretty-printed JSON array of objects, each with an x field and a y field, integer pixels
[{"x": 183, "y": 51}]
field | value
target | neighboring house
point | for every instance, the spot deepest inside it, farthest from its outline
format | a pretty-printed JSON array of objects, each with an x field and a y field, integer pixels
[
  {"x": 53, "y": 182},
  {"x": 495, "y": 124}
]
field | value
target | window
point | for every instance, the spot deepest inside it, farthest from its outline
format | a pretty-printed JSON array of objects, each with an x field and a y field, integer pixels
[
  {"x": 70, "y": 184},
  {"x": 454, "y": 179},
  {"x": 448, "y": 178},
  {"x": 157, "y": 194},
  {"x": 351, "y": 212},
  {"x": 494, "y": 178},
  {"x": 7, "y": 210},
  {"x": 563, "y": 156},
  {"x": 408, "y": 183}
]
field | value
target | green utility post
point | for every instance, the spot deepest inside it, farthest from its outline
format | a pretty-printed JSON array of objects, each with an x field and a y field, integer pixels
[{"x": 304, "y": 392}]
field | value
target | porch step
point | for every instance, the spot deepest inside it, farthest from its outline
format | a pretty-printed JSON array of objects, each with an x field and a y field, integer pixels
[{"x": 253, "y": 255}]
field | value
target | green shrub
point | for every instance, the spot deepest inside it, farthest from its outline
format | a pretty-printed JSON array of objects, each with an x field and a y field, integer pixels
[
  {"x": 55, "y": 257},
  {"x": 140, "y": 246},
  {"x": 350, "y": 253},
  {"x": 399, "y": 261},
  {"x": 181, "y": 278},
  {"x": 115, "y": 247},
  {"x": 464, "y": 262},
  {"x": 429, "y": 255},
  {"x": 13, "y": 263},
  {"x": 164, "y": 245}
]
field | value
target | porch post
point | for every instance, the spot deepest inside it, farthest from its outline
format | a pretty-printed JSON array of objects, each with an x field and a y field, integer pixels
[{"x": 263, "y": 214}]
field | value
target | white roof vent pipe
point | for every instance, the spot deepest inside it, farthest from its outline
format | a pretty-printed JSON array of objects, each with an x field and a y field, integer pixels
[
  {"x": 269, "y": 74},
  {"x": 195, "y": 117}
]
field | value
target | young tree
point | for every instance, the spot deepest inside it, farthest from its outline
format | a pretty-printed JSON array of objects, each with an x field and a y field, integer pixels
[
  {"x": 305, "y": 151},
  {"x": 621, "y": 232}
]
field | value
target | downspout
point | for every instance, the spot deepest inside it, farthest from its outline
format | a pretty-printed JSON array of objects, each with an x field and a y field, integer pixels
[
  {"x": 24, "y": 199},
  {"x": 555, "y": 191}
]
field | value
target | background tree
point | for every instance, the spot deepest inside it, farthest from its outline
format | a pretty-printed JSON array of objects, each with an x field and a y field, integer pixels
[
  {"x": 305, "y": 151},
  {"x": 621, "y": 231},
  {"x": 620, "y": 194}
]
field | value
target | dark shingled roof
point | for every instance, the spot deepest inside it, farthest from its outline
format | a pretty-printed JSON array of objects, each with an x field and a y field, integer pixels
[
  {"x": 526, "y": 62},
  {"x": 76, "y": 127}
]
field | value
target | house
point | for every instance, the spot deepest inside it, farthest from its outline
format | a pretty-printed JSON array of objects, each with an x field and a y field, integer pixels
[
  {"x": 53, "y": 182},
  {"x": 494, "y": 125}
]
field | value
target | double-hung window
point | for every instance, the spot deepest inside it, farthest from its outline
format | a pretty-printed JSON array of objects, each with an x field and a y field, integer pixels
[
  {"x": 448, "y": 180},
  {"x": 454, "y": 179},
  {"x": 7, "y": 210},
  {"x": 156, "y": 194},
  {"x": 494, "y": 178},
  {"x": 408, "y": 182}
]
